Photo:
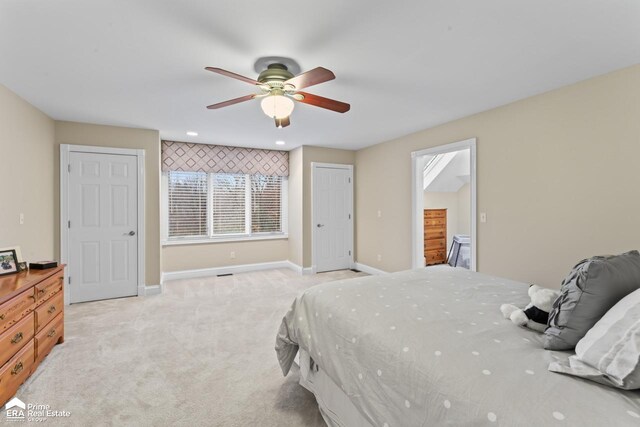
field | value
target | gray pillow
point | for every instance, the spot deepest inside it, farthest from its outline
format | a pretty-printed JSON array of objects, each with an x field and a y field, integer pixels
[
  {"x": 589, "y": 291},
  {"x": 610, "y": 352}
]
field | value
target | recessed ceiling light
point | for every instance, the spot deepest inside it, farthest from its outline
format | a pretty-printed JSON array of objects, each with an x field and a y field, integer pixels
[
  {"x": 279, "y": 142},
  {"x": 192, "y": 133}
]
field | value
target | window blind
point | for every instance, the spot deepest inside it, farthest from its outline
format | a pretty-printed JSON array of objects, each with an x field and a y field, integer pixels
[
  {"x": 266, "y": 196},
  {"x": 187, "y": 193},
  {"x": 228, "y": 203},
  {"x": 206, "y": 205}
]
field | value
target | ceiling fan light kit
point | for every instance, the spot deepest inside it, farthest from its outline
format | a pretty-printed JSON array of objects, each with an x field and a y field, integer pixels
[
  {"x": 277, "y": 106},
  {"x": 279, "y": 88},
  {"x": 284, "y": 122}
]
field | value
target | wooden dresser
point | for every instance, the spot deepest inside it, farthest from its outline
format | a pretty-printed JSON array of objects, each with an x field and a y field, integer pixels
[
  {"x": 31, "y": 324},
  {"x": 435, "y": 236}
]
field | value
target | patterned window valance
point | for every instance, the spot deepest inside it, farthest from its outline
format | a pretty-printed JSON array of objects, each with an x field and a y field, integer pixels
[{"x": 186, "y": 157}]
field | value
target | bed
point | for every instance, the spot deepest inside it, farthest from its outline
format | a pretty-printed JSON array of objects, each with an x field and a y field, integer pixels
[{"x": 429, "y": 347}]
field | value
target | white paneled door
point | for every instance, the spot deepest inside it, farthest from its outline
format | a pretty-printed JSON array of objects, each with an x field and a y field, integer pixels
[
  {"x": 103, "y": 231},
  {"x": 332, "y": 216}
]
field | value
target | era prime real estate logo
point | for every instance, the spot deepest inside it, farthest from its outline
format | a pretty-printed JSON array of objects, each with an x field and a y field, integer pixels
[{"x": 17, "y": 410}]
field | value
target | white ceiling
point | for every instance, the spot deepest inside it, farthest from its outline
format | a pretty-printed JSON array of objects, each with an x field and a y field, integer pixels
[
  {"x": 403, "y": 66},
  {"x": 454, "y": 175}
]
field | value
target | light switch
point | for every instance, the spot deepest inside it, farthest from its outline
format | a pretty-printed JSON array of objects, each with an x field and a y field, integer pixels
[
  {"x": 21, "y": 219},
  {"x": 379, "y": 257},
  {"x": 232, "y": 255},
  {"x": 379, "y": 213},
  {"x": 483, "y": 217}
]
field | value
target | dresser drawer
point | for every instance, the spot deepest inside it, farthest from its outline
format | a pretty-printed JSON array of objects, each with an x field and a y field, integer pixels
[
  {"x": 435, "y": 234},
  {"x": 435, "y": 213},
  {"x": 48, "y": 288},
  {"x": 15, "y": 309},
  {"x": 436, "y": 257},
  {"x": 48, "y": 310},
  {"x": 435, "y": 244},
  {"x": 15, "y": 337},
  {"x": 15, "y": 371},
  {"x": 435, "y": 222},
  {"x": 48, "y": 337}
]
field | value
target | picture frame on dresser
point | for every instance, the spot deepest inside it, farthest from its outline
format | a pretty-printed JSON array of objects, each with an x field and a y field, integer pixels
[{"x": 8, "y": 262}]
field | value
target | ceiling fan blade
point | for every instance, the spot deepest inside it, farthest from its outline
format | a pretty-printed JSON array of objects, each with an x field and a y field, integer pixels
[
  {"x": 310, "y": 78},
  {"x": 232, "y": 75},
  {"x": 283, "y": 123},
  {"x": 231, "y": 102},
  {"x": 319, "y": 101}
]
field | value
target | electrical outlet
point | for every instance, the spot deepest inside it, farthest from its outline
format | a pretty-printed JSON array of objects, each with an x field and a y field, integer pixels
[
  {"x": 379, "y": 257},
  {"x": 232, "y": 255},
  {"x": 21, "y": 219},
  {"x": 483, "y": 217},
  {"x": 379, "y": 213}
]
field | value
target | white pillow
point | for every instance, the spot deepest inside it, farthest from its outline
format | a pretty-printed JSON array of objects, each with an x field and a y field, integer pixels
[{"x": 610, "y": 351}]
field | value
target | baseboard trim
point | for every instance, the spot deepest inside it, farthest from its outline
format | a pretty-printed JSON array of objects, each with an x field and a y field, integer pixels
[
  {"x": 152, "y": 290},
  {"x": 367, "y": 269},
  {"x": 232, "y": 269},
  {"x": 295, "y": 267},
  {"x": 144, "y": 290},
  {"x": 300, "y": 269}
]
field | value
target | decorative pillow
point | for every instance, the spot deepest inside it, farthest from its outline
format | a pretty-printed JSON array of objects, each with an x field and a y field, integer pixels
[
  {"x": 610, "y": 352},
  {"x": 591, "y": 289}
]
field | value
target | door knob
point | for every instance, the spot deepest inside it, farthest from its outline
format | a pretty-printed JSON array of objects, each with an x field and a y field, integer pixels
[
  {"x": 320, "y": 225},
  {"x": 132, "y": 233}
]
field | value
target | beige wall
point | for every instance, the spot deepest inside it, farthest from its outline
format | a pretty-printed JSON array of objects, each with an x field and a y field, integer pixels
[
  {"x": 31, "y": 159},
  {"x": 29, "y": 182},
  {"x": 320, "y": 155},
  {"x": 297, "y": 248},
  {"x": 295, "y": 206},
  {"x": 119, "y": 137},
  {"x": 211, "y": 255},
  {"x": 464, "y": 210},
  {"x": 557, "y": 177}
]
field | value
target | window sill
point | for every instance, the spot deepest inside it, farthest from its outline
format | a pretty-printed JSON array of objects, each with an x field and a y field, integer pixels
[{"x": 223, "y": 240}]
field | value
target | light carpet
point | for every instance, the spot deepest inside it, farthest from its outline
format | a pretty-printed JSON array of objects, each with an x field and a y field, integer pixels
[{"x": 200, "y": 354}]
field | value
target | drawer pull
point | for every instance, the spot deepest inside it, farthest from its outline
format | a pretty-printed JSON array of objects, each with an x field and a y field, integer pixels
[
  {"x": 42, "y": 291},
  {"x": 17, "y": 369},
  {"x": 2, "y": 316},
  {"x": 51, "y": 333},
  {"x": 51, "y": 309},
  {"x": 17, "y": 338}
]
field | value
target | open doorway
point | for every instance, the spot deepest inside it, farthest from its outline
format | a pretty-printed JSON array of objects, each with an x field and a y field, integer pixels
[
  {"x": 444, "y": 205},
  {"x": 447, "y": 208}
]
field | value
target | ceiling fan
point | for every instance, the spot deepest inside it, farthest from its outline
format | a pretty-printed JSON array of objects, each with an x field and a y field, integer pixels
[{"x": 279, "y": 88}]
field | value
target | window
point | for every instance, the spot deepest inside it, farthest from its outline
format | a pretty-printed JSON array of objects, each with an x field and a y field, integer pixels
[
  {"x": 266, "y": 194},
  {"x": 187, "y": 204},
  {"x": 219, "y": 205},
  {"x": 228, "y": 203}
]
